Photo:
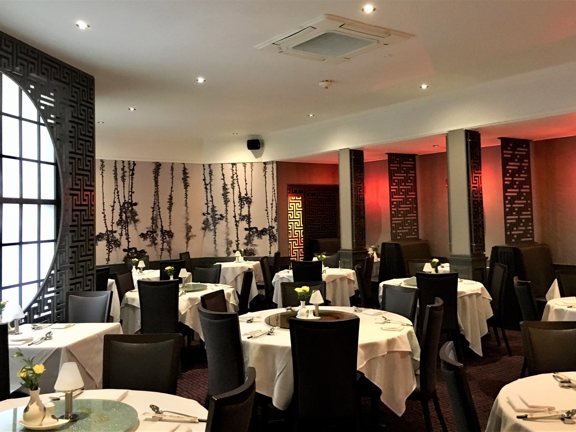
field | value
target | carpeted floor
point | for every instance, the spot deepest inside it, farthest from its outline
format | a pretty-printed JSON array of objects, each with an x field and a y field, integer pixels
[{"x": 486, "y": 375}]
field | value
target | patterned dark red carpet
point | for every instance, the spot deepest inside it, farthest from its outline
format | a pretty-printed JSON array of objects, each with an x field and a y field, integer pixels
[{"x": 486, "y": 375}]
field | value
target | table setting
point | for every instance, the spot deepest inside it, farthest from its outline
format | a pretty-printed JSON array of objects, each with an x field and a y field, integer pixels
[{"x": 560, "y": 309}]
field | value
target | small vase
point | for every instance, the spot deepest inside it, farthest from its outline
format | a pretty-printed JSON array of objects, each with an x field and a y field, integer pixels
[
  {"x": 171, "y": 277},
  {"x": 35, "y": 411},
  {"x": 303, "y": 310}
]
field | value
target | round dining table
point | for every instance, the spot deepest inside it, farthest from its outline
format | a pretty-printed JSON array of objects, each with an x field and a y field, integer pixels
[
  {"x": 535, "y": 395},
  {"x": 388, "y": 353},
  {"x": 560, "y": 309}
]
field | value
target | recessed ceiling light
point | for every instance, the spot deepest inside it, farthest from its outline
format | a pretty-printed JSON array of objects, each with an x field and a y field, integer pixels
[
  {"x": 131, "y": 108},
  {"x": 424, "y": 86},
  {"x": 82, "y": 25},
  {"x": 368, "y": 8},
  {"x": 200, "y": 80},
  {"x": 100, "y": 122},
  {"x": 235, "y": 133},
  {"x": 435, "y": 145},
  {"x": 311, "y": 115}
]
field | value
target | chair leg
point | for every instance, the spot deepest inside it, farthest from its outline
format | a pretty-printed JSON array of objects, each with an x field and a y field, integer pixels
[
  {"x": 426, "y": 413},
  {"x": 508, "y": 350},
  {"x": 439, "y": 413},
  {"x": 496, "y": 335},
  {"x": 524, "y": 367}
]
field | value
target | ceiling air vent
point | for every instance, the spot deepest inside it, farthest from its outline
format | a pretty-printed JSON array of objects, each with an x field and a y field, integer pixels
[{"x": 333, "y": 38}]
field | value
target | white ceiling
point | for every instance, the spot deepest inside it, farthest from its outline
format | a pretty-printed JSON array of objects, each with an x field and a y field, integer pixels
[{"x": 147, "y": 53}]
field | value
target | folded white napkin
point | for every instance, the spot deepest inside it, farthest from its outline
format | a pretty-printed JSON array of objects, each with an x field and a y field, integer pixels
[
  {"x": 256, "y": 333},
  {"x": 19, "y": 339},
  {"x": 526, "y": 404},
  {"x": 249, "y": 317}
]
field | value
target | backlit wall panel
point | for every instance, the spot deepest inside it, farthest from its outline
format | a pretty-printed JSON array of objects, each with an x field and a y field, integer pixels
[{"x": 403, "y": 196}]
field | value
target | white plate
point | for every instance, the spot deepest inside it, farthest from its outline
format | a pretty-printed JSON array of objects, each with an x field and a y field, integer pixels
[{"x": 53, "y": 426}]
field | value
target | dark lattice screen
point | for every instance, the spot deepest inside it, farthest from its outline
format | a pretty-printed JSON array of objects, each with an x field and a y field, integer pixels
[
  {"x": 65, "y": 96},
  {"x": 403, "y": 196},
  {"x": 358, "y": 210},
  {"x": 517, "y": 190},
  {"x": 295, "y": 227},
  {"x": 477, "y": 243}
]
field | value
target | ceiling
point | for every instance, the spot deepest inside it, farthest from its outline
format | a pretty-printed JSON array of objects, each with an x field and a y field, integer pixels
[{"x": 147, "y": 54}]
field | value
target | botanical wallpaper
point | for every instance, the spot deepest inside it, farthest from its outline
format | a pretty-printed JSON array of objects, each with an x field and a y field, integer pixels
[{"x": 162, "y": 209}]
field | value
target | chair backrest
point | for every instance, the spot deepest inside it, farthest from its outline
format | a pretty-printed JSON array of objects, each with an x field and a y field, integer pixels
[
  {"x": 444, "y": 286},
  {"x": 102, "y": 275},
  {"x": 325, "y": 387},
  {"x": 185, "y": 256},
  {"x": 458, "y": 390},
  {"x": 4, "y": 363},
  {"x": 549, "y": 346},
  {"x": 368, "y": 295},
  {"x": 267, "y": 277},
  {"x": 232, "y": 411},
  {"x": 88, "y": 306},
  {"x": 214, "y": 301},
  {"x": 207, "y": 274},
  {"x": 333, "y": 260},
  {"x": 224, "y": 355},
  {"x": 528, "y": 308},
  {"x": 158, "y": 306},
  {"x": 124, "y": 283},
  {"x": 307, "y": 271},
  {"x": 431, "y": 330},
  {"x": 177, "y": 264},
  {"x": 290, "y": 297},
  {"x": 244, "y": 296},
  {"x": 566, "y": 282},
  {"x": 400, "y": 300},
  {"x": 148, "y": 362},
  {"x": 416, "y": 265},
  {"x": 497, "y": 286}
]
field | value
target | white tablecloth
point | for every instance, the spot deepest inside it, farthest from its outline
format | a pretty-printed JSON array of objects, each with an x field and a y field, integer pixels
[
  {"x": 385, "y": 357},
  {"x": 81, "y": 343},
  {"x": 340, "y": 285},
  {"x": 560, "y": 309},
  {"x": 473, "y": 309},
  {"x": 537, "y": 389},
  {"x": 232, "y": 274},
  {"x": 139, "y": 400},
  {"x": 187, "y": 307},
  {"x": 152, "y": 275},
  {"x": 115, "y": 306}
]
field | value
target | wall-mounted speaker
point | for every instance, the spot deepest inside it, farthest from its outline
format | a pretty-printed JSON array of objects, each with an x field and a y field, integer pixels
[{"x": 254, "y": 144}]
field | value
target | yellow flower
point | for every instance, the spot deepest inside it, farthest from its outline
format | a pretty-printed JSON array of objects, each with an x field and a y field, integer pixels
[
  {"x": 22, "y": 374},
  {"x": 38, "y": 369},
  {"x": 303, "y": 292}
]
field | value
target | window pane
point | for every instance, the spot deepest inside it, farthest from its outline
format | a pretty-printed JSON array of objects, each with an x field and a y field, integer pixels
[
  {"x": 10, "y": 223},
  {"x": 10, "y": 98},
  {"x": 29, "y": 262},
  {"x": 47, "y": 227},
  {"x": 29, "y": 222},
  {"x": 29, "y": 180},
  {"x": 10, "y": 265},
  {"x": 46, "y": 256},
  {"x": 10, "y": 178},
  {"x": 47, "y": 182},
  {"x": 11, "y": 295},
  {"x": 28, "y": 293},
  {"x": 46, "y": 146},
  {"x": 29, "y": 140},
  {"x": 10, "y": 137},
  {"x": 28, "y": 109}
]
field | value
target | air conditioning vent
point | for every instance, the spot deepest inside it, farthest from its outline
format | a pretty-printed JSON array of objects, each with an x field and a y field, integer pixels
[{"x": 333, "y": 38}]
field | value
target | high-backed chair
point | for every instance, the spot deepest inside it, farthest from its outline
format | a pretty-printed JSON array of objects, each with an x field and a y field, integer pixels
[
  {"x": 158, "y": 306},
  {"x": 458, "y": 390},
  {"x": 207, "y": 274},
  {"x": 325, "y": 389},
  {"x": 185, "y": 256},
  {"x": 124, "y": 283},
  {"x": 177, "y": 264},
  {"x": 368, "y": 291},
  {"x": 214, "y": 301},
  {"x": 142, "y": 362},
  {"x": 102, "y": 275},
  {"x": 290, "y": 297},
  {"x": 400, "y": 300},
  {"x": 497, "y": 286},
  {"x": 245, "y": 289},
  {"x": 307, "y": 271},
  {"x": 4, "y": 363},
  {"x": 566, "y": 282},
  {"x": 528, "y": 309},
  {"x": 88, "y": 306},
  {"x": 224, "y": 355},
  {"x": 548, "y": 346},
  {"x": 232, "y": 411},
  {"x": 426, "y": 384},
  {"x": 332, "y": 260},
  {"x": 264, "y": 301}
]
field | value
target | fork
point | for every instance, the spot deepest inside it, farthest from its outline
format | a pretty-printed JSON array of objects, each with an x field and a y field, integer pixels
[{"x": 44, "y": 338}]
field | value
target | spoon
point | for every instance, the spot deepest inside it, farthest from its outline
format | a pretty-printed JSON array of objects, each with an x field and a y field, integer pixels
[{"x": 157, "y": 410}]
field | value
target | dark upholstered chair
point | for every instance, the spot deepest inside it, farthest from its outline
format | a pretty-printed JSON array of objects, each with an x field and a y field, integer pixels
[
  {"x": 458, "y": 390},
  {"x": 566, "y": 282},
  {"x": 244, "y": 296},
  {"x": 185, "y": 256},
  {"x": 325, "y": 388},
  {"x": 177, "y": 264},
  {"x": 497, "y": 286},
  {"x": 232, "y": 411},
  {"x": 142, "y": 362},
  {"x": 102, "y": 275},
  {"x": 307, "y": 271},
  {"x": 158, "y": 306},
  {"x": 528, "y": 309},
  {"x": 426, "y": 385},
  {"x": 207, "y": 274},
  {"x": 124, "y": 283},
  {"x": 290, "y": 297},
  {"x": 4, "y": 363},
  {"x": 368, "y": 291},
  {"x": 400, "y": 300},
  {"x": 264, "y": 301},
  {"x": 333, "y": 260},
  {"x": 224, "y": 355},
  {"x": 549, "y": 346},
  {"x": 214, "y": 301},
  {"x": 88, "y": 306},
  {"x": 394, "y": 257}
]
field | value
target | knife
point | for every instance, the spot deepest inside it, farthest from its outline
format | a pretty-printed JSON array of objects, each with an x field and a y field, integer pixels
[{"x": 177, "y": 419}]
